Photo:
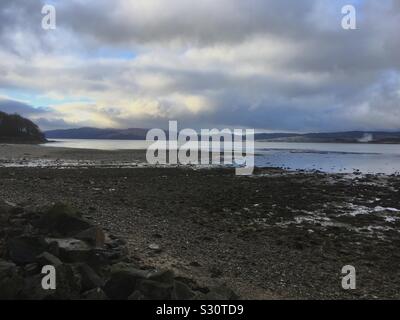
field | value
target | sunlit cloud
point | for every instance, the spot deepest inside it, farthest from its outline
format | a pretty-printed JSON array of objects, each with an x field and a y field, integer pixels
[{"x": 265, "y": 64}]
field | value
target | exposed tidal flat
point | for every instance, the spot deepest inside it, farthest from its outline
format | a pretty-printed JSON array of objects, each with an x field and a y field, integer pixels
[{"x": 276, "y": 234}]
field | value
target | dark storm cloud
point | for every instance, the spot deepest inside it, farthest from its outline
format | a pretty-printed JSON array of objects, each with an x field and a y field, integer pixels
[
  {"x": 19, "y": 21},
  {"x": 12, "y": 106},
  {"x": 201, "y": 22},
  {"x": 37, "y": 114},
  {"x": 281, "y": 65}
]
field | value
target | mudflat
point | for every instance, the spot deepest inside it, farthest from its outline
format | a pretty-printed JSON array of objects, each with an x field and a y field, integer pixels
[
  {"x": 39, "y": 155},
  {"x": 276, "y": 234}
]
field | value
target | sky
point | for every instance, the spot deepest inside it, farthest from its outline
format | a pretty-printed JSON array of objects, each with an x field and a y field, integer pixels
[{"x": 271, "y": 65}]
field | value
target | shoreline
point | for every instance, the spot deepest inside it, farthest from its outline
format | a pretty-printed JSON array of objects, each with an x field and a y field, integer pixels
[
  {"x": 274, "y": 235},
  {"x": 42, "y": 156}
]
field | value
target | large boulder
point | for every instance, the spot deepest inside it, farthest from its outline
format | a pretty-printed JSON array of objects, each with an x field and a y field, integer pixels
[
  {"x": 137, "y": 295},
  {"x": 221, "y": 292},
  {"x": 25, "y": 249},
  {"x": 47, "y": 258},
  {"x": 85, "y": 264},
  {"x": 62, "y": 220},
  {"x": 69, "y": 282},
  {"x": 94, "y": 294},
  {"x": 158, "y": 285},
  {"x": 31, "y": 269},
  {"x": 68, "y": 285},
  {"x": 182, "y": 291},
  {"x": 10, "y": 281},
  {"x": 123, "y": 281},
  {"x": 165, "y": 276},
  {"x": 74, "y": 250},
  {"x": 89, "y": 278},
  {"x": 154, "y": 290},
  {"x": 94, "y": 236}
]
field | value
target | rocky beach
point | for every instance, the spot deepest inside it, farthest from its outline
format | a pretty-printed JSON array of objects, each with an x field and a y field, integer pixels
[{"x": 274, "y": 235}]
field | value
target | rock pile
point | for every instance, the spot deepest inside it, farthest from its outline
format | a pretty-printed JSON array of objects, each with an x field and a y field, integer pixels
[{"x": 89, "y": 264}]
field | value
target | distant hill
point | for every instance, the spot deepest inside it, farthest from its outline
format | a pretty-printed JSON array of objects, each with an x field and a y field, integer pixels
[
  {"x": 16, "y": 129},
  {"x": 140, "y": 134},
  {"x": 95, "y": 133},
  {"x": 332, "y": 137}
]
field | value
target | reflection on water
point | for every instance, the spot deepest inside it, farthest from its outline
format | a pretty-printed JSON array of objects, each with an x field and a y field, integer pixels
[
  {"x": 330, "y": 157},
  {"x": 326, "y": 157},
  {"x": 99, "y": 144},
  {"x": 330, "y": 162}
]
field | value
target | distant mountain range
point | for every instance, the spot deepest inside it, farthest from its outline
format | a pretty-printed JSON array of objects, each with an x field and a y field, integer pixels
[
  {"x": 333, "y": 137},
  {"x": 95, "y": 133},
  {"x": 140, "y": 134}
]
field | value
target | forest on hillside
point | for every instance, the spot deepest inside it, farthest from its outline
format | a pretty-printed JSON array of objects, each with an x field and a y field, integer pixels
[{"x": 17, "y": 129}]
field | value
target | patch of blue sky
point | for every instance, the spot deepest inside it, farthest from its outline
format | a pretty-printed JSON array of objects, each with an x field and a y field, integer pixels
[
  {"x": 111, "y": 53},
  {"x": 40, "y": 100}
]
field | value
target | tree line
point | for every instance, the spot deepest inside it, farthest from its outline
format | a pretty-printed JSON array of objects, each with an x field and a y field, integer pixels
[{"x": 13, "y": 126}]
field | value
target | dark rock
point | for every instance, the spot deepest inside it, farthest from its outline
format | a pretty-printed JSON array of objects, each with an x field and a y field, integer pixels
[
  {"x": 47, "y": 259},
  {"x": 120, "y": 286},
  {"x": 24, "y": 249},
  {"x": 10, "y": 281},
  {"x": 123, "y": 281},
  {"x": 121, "y": 242},
  {"x": 68, "y": 286},
  {"x": 53, "y": 248},
  {"x": 18, "y": 221},
  {"x": 74, "y": 250},
  {"x": 94, "y": 236},
  {"x": 31, "y": 269},
  {"x": 68, "y": 282},
  {"x": 154, "y": 290},
  {"x": 68, "y": 244},
  {"x": 32, "y": 289},
  {"x": 130, "y": 268},
  {"x": 62, "y": 220},
  {"x": 220, "y": 293},
  {"x": 114, "y": 256},
  {"x": 200, "y": 296},
  {"x": 136, "y": 295},
  {"x": 89, "y": 278},
  {"x": 181, "y": 291},
  {"x": 94, "y": 294},
  {"x": 62, "y": 238},
  {"x": 165, "y": 276},
  {"x": 115, "y": 243},
  {"x": 215, "y": 272}
]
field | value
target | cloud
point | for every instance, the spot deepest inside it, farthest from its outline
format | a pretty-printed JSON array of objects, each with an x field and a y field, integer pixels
[
  {"x": 267, "y": 64},
  {"x": 11, "y": 106}
]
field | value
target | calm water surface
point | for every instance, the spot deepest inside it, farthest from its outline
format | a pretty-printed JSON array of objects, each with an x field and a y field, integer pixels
[{"x": 327, "y": 157}]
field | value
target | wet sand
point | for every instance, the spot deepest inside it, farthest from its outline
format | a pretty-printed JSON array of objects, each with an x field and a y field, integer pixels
[
  {"x": 38, "y": 155},
  {"x": 276, "y": 234}
]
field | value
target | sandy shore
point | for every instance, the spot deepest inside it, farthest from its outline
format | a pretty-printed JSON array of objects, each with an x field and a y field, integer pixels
[
  {"x": 273, "y": 235},
  {"x": 42, "y": 156}
]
